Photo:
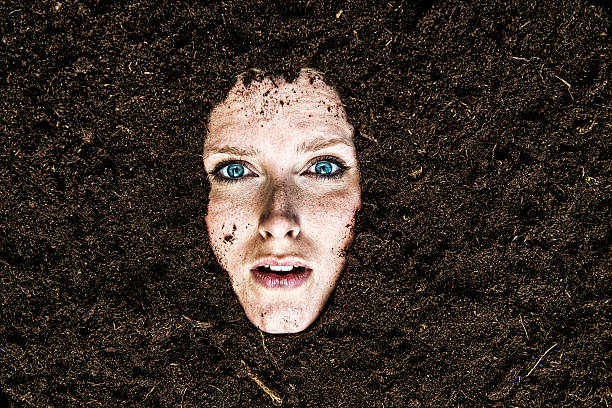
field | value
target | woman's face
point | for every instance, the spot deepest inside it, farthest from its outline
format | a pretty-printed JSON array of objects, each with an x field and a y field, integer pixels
[{"x": 284, "y": 192}]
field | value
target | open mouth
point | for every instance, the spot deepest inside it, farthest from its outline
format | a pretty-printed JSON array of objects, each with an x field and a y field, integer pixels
[
  {"x": 281, "y": 276},
  {"x": 280, "y": 270}
]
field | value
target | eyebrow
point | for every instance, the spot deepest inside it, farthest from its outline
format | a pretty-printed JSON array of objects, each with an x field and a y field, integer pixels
[
  {"x": 305, "y": 147},
  {"x": 235, "y": 150},
  {"x": 320, "y": 143}
]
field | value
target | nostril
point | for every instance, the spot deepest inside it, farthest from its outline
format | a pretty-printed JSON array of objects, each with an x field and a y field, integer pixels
[{"x": 280, "y": 228}]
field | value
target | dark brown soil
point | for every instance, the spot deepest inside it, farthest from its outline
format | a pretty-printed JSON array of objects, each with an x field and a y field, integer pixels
[{"x": 480, "y": 274}]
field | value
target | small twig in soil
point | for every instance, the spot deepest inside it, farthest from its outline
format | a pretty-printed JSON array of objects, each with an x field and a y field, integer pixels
[
  {"x": 370, "y": 138},
  {"x": 540, "y": 359},
  {"x": 524, "y": 59},
  {"x": 569, "y": 86},
  {"x": 183, "y": 396},
  {"x": 523, "y": 324},
  {"x": 198, "y": 324},
  {"x": 276, "y": 399},
  {"x": 263, "y": 342},
  {"x": 149, "y": 393}
]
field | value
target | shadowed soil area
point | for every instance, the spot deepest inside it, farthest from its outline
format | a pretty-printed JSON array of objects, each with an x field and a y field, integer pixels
[{"x": 480, "y": 272}]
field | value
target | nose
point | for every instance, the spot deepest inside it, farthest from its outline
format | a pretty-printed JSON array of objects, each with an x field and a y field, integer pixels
[{"x": 278, "y": 218}]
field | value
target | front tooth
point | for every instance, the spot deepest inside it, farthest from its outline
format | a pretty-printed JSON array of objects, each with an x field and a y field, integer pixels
[{"x": 281, "y": 268}]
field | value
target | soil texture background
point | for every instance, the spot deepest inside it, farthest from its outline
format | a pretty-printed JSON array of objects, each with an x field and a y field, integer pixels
[{"x": 480, "y": 273}]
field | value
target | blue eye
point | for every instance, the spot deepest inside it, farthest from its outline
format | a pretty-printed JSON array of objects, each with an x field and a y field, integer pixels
[
  {"x": 326, "y": 168},
  {"x": 233, "y": 171}
]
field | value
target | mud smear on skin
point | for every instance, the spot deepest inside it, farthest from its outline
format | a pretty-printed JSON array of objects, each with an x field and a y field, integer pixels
[{"x": 483, "y": 239}]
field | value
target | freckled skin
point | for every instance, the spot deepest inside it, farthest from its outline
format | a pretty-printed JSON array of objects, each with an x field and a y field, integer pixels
[{"x": 281, "y": 209}]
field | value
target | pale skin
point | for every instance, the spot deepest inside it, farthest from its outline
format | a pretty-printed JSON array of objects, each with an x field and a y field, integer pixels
[{"x": 284, "y": 191}]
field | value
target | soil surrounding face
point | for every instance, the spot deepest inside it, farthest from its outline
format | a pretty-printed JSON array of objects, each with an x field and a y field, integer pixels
[{"x": 480, "y": 272}]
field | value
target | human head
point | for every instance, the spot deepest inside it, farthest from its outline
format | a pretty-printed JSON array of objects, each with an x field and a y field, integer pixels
[{"x": 284, "y": 191}]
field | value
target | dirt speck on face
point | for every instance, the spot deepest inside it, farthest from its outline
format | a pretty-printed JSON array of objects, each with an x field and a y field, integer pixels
[{"x": 481, "y": 280}]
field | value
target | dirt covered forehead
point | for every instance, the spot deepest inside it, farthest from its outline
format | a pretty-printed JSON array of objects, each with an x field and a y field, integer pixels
[{"x": 264, "y": 98}]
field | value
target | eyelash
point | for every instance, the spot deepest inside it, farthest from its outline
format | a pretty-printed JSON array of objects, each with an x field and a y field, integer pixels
[
  {"x": 215, "y": 172},
  {"x": 341, "y": 169}
]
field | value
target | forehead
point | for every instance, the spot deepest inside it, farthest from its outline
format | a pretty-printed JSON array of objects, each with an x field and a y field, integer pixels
[{"x": 306, "y": 105}]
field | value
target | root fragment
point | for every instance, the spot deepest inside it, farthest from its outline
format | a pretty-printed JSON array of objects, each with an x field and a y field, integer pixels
[
  {"x": 276, "y": 399},
  {"x": 540, "y": 359}
]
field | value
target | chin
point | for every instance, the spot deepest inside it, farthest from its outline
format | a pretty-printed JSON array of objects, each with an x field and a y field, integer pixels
[{"x": 283, "y": 321}]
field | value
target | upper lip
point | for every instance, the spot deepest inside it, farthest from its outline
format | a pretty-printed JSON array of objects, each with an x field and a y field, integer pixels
[{"x": 280, "y": 261}]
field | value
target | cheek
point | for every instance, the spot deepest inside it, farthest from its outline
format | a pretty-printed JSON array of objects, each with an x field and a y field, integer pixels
[
  {"x": 226, "y": 223},
  {"x": 332, "y": 218}
]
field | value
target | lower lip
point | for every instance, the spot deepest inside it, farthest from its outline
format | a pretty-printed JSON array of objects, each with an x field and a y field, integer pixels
[{"x": 274, "y": 281}]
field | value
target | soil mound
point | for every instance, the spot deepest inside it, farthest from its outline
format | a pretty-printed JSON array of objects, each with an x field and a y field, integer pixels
[{"x": 480, "y": 273}]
